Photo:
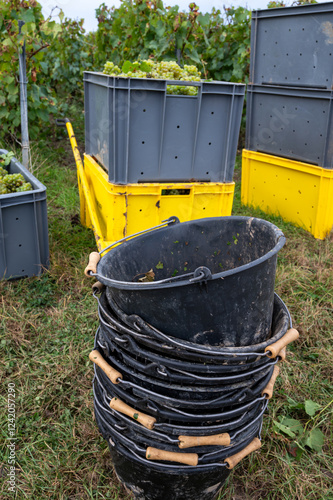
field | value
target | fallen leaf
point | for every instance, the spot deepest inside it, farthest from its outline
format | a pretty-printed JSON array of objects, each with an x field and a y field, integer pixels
[{"x": 149, "y": 276}]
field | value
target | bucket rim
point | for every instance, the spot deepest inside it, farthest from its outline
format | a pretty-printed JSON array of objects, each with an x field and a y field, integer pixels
[{"x": 202, "y": 273}]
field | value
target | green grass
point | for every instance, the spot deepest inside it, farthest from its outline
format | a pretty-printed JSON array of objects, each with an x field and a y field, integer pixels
[{"x": 48, "y": 326}]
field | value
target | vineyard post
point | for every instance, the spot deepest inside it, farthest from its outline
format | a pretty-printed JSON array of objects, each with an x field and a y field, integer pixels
[{"x": 24, "y": 104}]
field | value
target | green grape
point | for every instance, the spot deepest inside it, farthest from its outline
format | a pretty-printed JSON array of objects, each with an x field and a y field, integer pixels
[
  {"x": 26, "y": 186},
  {"x": 3, "y": 188},
  {"x": 111, "y": 69},
  {"x": 163, "y": 70},
  {"x": 13, "y": 181},
  {"x": 3, "y": 172}
]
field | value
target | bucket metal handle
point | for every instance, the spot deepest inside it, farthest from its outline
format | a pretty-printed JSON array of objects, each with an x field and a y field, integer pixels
[
  {"x": 171, "y": 220},
  {"x": 146, "y": 420},
  {"x": 202, "y": 273},
  {"x": 214, "y": 440},
  {"x": 171, "y": 456},
  {"x": 95, "y": 257},
  {"x": 235, "y": 459}
]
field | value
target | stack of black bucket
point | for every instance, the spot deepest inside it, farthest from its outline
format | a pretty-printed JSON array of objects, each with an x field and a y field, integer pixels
[{"x": 190, "y": 335}]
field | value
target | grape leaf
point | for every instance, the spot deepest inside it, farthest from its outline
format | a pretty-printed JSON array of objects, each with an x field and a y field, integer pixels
[
  {"x": 129, "y": 66},
  {"x": 145, "y": 67},
  {"x": 27, "y": 15},
  {"x": 204, "y": 20},
  {"x": 289, "y": 426},
  {"x": 311, "y": 407},
  {"x": 315, "y": 440},
  {"x": 293, "y": 405}
]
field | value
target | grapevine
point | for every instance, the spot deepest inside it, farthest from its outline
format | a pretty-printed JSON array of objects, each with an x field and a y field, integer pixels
[{"x": 164, "y": 70}]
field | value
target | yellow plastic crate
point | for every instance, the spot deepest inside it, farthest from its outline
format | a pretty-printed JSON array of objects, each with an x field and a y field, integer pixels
[
  {"x": 299, "y": 192},
  {"x": 114, "y": 211}
]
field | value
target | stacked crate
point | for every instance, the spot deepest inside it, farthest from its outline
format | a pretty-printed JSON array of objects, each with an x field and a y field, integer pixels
[
  {"x": 151, "y": 155},
  {"x": 288, "y": 160}
]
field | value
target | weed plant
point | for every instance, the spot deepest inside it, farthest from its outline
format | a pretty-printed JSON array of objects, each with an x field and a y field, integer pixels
[{"x": 48, "y": 325}]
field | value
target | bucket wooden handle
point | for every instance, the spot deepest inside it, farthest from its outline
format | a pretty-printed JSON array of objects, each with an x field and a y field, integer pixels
[
  {"x": 94, "y": 259},
  {"x": 268, "y": 391},
  {"x": 171, "y": 456},
  {"x": 288, "y": 337},
  {"x": 234, "y": 459},
  {"x": 282, "y": 354},
  {"x": 145, "y": 420},
  {"x": 191, "y": 441},
  {"x": 98, "y": 287},
  {"x": 110, "y": 372}
]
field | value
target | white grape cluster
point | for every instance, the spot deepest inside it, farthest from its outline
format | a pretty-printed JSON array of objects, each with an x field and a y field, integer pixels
[
  {"x": 12, "y": 183},
  {"x": 164, "y": 70}
]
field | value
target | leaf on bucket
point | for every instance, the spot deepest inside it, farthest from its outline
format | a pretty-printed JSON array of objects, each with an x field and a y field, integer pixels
[
  {"x": 159, "y": 265},
  {"x": 149, "y": 276},
  {"x": 311, "y": 407}
]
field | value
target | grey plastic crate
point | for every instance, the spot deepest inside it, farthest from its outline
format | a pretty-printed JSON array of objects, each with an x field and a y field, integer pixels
[
  {"x": 139, "y": 133},
  {"x": 295, "y": 123},
  {"x": 24, "y": 244},
  {"x": 293, "y": 46}
]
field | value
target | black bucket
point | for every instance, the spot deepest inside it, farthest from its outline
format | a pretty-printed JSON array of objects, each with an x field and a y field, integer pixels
[
  {"x": 187, "y": 395},
  {"x": 146, "y": 437},
  {"x": 214, "y": 279},
  {"x": 184, "y": 386},
  {"x": 102, "y": 400},
  {"x": 169, "y": 432},
  {"x": 133, "y": 326},
  {"x": 206, "y": 454},
  {"x": 178, "y": 412},
  {"x": 185, "y": 374},
  {"x": 174, "y": 371},
  {"x": 149, "y": 481}
]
